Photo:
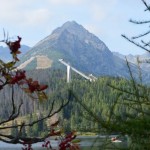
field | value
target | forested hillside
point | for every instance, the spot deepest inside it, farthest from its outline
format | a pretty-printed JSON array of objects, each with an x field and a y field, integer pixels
[{"x": 98, "y": 97}]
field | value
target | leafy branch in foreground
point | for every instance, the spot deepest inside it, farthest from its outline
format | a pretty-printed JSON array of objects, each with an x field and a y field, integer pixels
[{"x": 11, "y": 77}]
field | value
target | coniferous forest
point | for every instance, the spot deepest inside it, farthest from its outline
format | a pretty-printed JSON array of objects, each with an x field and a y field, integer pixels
[{"x": 98, "y": 98}]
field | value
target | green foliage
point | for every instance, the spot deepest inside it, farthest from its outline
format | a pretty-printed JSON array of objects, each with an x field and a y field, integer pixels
[{"x": 107, "y": 106}]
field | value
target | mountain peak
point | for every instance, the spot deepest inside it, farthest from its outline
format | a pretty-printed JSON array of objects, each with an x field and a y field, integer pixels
[
  {"x": 70, "y": 24},
  {"x": 72, "y": 27},
  {"x": 69, "y": 27},
  {"x": 72, "y": 34}
]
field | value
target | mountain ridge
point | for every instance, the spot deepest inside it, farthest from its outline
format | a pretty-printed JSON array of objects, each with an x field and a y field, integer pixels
[
  {"x": 5, "y": 52},
  {"x": 82, "y": 49}
]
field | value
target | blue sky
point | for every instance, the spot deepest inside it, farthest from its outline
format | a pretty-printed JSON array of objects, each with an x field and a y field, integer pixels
[{"x": 33, "y": 20}]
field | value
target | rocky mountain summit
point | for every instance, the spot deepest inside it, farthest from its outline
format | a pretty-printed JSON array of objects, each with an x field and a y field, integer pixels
[{"x": 82, "y": 49}]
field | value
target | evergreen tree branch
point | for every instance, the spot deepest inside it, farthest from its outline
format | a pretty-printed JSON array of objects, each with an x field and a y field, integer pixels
[
  {"x": 141, "y": 35},
  {"x": 148, "y": 7},
  {"x": 139, "y": 22},
  {"x": 137, "y": 44}
]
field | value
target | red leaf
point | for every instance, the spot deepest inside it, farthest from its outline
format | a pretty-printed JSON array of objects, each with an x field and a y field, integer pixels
[{"x": 42, "y": 87}]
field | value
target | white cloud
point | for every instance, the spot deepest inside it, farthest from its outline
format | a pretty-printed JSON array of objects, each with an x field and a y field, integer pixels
[
  {"x": 22, "y": 12},
  {"x": 8, "y": 10},
  {"x": 37, "y": 17},
  {"x": 97, "y": 13},
  {"x": 8, "y": 4},
  {"x": 100, "y": 9},
  {"x": 37, "y": 11}
]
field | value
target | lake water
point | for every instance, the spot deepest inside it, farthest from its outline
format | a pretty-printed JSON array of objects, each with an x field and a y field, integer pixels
[{"x": 87, "y": 143}]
